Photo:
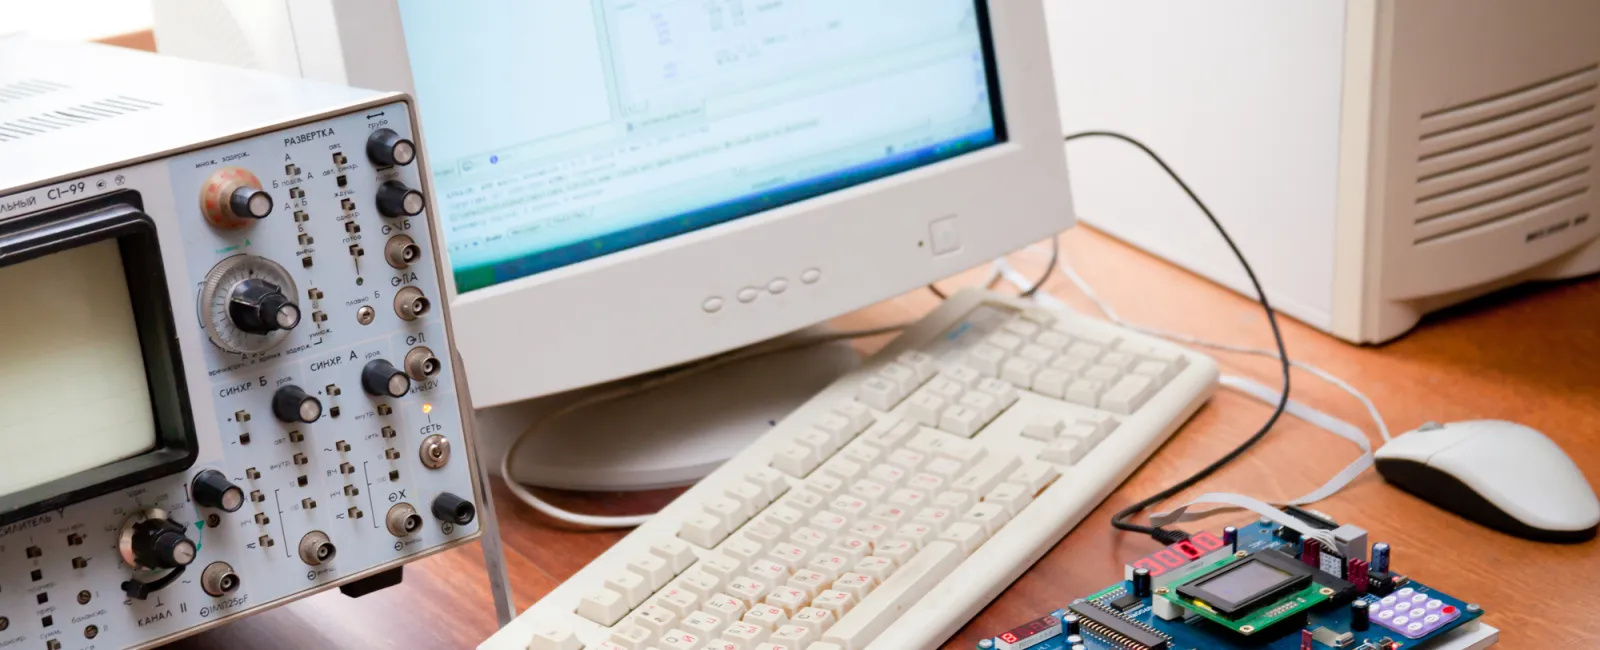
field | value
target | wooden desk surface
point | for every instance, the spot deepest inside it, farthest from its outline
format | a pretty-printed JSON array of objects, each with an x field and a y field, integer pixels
[{"x": 1532, "y": 355}]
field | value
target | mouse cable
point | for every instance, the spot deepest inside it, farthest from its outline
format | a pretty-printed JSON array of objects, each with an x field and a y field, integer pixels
[{"x": 1122, "y": 520}]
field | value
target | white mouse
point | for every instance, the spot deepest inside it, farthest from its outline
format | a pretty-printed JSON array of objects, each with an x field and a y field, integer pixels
[{"x": 1500, "y": 474}]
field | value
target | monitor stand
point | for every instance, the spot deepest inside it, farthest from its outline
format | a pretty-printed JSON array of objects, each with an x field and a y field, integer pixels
[{"x": 667, "y": 437}]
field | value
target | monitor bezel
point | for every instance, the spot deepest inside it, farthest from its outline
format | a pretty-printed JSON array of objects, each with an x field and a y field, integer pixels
[{"x": 644, "y": 308}]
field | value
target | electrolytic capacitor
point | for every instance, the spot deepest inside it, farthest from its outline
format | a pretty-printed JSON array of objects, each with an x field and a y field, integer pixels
[
  {"x": 1380, "y": 557},
  {"x": 1230, "y": 537},
  {"x": 1069, "y": 624},
  {"x": 1359, "y": 616},
  {"x": 1310, "y": 552},
  {"x": 1141, "y": 583}
]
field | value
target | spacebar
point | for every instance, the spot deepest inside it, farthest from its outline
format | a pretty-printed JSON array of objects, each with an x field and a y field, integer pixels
[{"x": 890, "y": 600}]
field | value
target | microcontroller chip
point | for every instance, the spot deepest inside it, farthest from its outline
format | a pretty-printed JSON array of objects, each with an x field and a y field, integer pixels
[{"x": 1125, "y": 603}]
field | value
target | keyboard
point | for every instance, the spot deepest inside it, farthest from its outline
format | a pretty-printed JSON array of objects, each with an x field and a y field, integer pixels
[{"x": 893, "y": 506}]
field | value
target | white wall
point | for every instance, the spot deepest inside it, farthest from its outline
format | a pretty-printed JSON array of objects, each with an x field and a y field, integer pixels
[{"x": 76, "y": 20}]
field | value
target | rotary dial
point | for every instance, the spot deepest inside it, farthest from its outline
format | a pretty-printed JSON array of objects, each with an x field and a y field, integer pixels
[{"x": 246, "y": 304}]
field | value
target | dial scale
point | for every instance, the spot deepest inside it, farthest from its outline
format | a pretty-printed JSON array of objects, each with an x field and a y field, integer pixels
[{"x": 301, "y": 477}]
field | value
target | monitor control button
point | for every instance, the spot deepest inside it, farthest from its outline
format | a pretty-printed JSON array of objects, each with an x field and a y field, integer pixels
[
  {"x": 778, "y": 285},
  {"x": 712, "y": 305},
  {"x": 810, "y": 276},
  {"x": 749, "y": 294}
]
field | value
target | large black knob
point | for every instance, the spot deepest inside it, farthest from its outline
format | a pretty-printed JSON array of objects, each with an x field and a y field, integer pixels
[
  {"x": 250, "y": 203},
  {"x": 292, "y": 404},
  {"x": 381, "y": 379},
  {"x": 259, "y": 307},
  {"x": 397, "y": 200},
  {"x": 212, "y": 489},
  {"x": 454, "y": 509},
  {"x": 385, "y": 148},
  {"x": 161, "y": 544}
]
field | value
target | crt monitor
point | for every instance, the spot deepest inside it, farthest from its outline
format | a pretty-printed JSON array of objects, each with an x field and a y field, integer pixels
[{"x": 627, "y": 185}]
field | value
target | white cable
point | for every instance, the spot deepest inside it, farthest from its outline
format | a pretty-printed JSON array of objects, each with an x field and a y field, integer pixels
[
  {"x": 1267, "y": 510},
  {"x": 629, "y": 521}
]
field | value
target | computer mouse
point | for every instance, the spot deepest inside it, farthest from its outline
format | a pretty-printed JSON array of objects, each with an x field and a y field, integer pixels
[{"x": 1501, "y": 474}]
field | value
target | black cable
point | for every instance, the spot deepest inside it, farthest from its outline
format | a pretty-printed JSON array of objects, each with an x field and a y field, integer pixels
[{"x": 1121, "y": 519}]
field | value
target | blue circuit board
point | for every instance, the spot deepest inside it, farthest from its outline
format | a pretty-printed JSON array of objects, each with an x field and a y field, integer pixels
[{"x": 1200, "y": 634}]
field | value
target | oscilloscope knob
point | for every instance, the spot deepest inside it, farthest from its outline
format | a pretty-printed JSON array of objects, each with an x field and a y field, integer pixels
[
  {"x": 259, "y": 307},
  {"x": 381, "y": 379},
  {"x": 292, "y": 404},
  {"x": 212, "y": 489},
  {"x": 158, "y": 543},
  {"x": 385, "y": 148},
  {"x": 397, "y": 200},
  {"x": 233, "y": 198}
]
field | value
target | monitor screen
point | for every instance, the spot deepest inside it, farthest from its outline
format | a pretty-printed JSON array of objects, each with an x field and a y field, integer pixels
[{"x": 564, "y": 131}]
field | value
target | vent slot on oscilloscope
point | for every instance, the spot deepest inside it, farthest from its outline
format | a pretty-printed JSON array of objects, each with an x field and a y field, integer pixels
[{"x": 26, "y": 118}]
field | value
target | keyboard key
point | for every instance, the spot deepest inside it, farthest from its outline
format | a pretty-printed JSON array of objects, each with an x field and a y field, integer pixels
[
  {"x": 905, "y": 379},
  {"x": 1085, "y": 350},
  {"x": 1055, "y": 341},
  {"x": 703, "y": 624},
  {"x": 655, "y": 618},
  {"x": 1020, "y": 371},
  {"x": 699, "y": 582},
  {"x": 1065, "y": 451},
  {"x": 1070, "y": 365},
  {"x": 1103, "y": 373},
  {"x": 731, "y": 512},
  {"x": 920, "y": 362},
  {"x": 818, "y": 440},
  {"x": 937, "y": 518},
  {"x": 962, "y": 450},
  {"x": 793, "y": 637},
  {"x": 748, "y": 590},
  {"x": 855, "y": 584},
  {"x": 1093, "y": 335},
  {"x": 869, "y": 529},
  {"x": 740, "y": 547},
  {"x": 959, "y": 501},
  {"x": 1084, "y": 431},
  {"x": 831, "y": 565},
  {"x": 966, "y": 534},
  {"x": 789, "y": 599},
  {"x": 746, "y": 635},
  {"x": 704, "y": 529},
  {"x": 902, "y": 550},
  {"x": 850, "y": 506},
  {"x": 889, "y": 475},
  {"x": 833, "y": 600},
  {"x": 631, "y": 585},
  {"x": 986, "y": 474},
  {"x": 810, "y": 580},
  {"x": 631, "y": 637},
  {"x": 724, "y": 606},
  {"x": 677, "y": 554},
  {"x": 945, "y": 468},
  {"x": 907, "y": 459},
  {"x": 1004, "y": 392},
  {"x": 924, "y": 408},
  {"x": 800, "y": 504},
  {"x": 925, "y": 482},
  {"x": 796, "y": 460},
  {"x": 721, "y": 565},
  {"x": 879, "y": 393},
  {"x": 1085, "y": 392},
  {"x": 1036, "y": 353},
  {"x": 681, "y": 601},
  {"x": 986, "y": 359},
  {"x": 887, "y": 434},
  {"x": 653, "y": 569},
  {"x": 767, "y": 616},
  {"x": 555, "y": 637},
  {"x": 810, "y": 539},
  {"x": 838, "y": 427},
  {"x": 908, "y": 499},
  {"x": 1035, "y": 475},
  {"x": 1043, "y": 428},
  {"x": 1040, "y": 315},
  {"x": 816, "y": 620},
  {"x": 860, "y": 416},
  {"x": 990, "y": 516},
  {"x": 878, "y": 567},
  {"x": 765, "y": 532},
  {"x": 1052, "y": 382},
  {"x": 1160, "y": 371},
  {"x": 603, "y": 606},
  {"x": 1011, "y": 496},
  {"x": 852, "y": 547},
  {"x": 1128, "y": 394},
  {"x": 983, "y": 403},
  {"x": 1022, "y": 328},
  {"x": 911, "y": 583},
  {"x": 1119, "y": 361},
  {"x": 888, "y": 514},
  {"x": 869, "y": 489},
  {"x": 865, "y": 455},
  {"x": 962, "y": 420},
  {"x": 830, "y": 522},
  {"x": 945, "y": 387},
  {"x": 771, "y": 482},
  {"x": 792, "y": 556},
  {"x": 680, "y": 640},
  {"x": 844, "y": 469},
  {"x": 966, "y": 376},
  {"x": 1005, "y": 341}
]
